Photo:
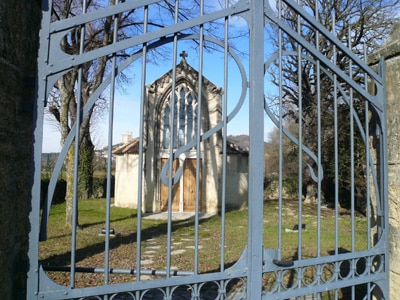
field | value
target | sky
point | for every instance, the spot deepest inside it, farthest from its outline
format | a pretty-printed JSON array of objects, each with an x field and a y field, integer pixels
[
  {"x": 127, "y": 96},
  {"x": 126, "y": 111}
]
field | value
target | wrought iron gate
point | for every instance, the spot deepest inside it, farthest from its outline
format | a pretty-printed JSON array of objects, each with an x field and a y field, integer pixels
[{"x": 330, "y": 132}]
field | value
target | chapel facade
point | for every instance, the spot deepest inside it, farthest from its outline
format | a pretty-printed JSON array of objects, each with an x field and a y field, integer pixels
[{"x": 169, "y": 141}]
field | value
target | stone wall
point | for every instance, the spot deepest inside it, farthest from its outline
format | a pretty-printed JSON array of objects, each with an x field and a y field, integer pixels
[
  {"x": 19, "y": 27},
  {"x": 391, "y": 52}
]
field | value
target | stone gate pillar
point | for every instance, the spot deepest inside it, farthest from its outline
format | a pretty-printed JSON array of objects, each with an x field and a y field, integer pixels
[{"x": 391, "y": 52}]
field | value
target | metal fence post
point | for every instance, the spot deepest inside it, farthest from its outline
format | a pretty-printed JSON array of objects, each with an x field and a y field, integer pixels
[{"x": 256, "y": 166}]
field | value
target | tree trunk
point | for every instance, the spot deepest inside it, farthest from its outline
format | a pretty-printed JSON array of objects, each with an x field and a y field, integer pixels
[
  {"x": 86, "y": 155},
  {"x": 69, "y": 178},
  {"x": 311, "y": 194},
  {"x": 19, "y": 27}
]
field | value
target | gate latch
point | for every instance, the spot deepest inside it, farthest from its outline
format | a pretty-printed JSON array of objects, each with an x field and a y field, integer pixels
[
  {"x": 283, "y": 263},
  {"x": 270, "y": 255}
]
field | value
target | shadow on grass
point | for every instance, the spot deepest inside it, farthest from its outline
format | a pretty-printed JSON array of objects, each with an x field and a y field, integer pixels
[
  {"x": 84, "y": 226},
  {"x": 115, "y": 242},
  {"x": 87, "y": 225}
]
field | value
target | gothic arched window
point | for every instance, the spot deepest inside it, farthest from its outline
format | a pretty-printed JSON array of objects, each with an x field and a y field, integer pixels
[{"x": 183, "y": 128}]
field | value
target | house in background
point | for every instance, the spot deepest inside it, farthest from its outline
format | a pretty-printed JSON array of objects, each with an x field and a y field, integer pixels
[{"x": 161, "y": 128}]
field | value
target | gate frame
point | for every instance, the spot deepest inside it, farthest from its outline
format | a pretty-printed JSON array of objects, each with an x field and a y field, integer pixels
[{"x": 255, "y": 259}]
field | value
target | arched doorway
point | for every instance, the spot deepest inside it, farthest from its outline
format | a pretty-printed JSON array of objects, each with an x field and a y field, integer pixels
[{"x": 179, "y": 127}]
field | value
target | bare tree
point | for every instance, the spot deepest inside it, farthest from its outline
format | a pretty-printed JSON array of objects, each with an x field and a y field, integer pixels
[
  {"x": 63, "y": 103},
  {"x": 307, "y": 89},
  {"x": 289, "y": 152}
]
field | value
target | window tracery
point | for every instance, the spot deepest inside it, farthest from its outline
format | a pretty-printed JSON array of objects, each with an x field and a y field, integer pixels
[{"x": 182, "y": 129}]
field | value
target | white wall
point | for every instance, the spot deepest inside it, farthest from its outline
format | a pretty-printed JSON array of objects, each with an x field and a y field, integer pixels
[{"x": 126, "y": 181}]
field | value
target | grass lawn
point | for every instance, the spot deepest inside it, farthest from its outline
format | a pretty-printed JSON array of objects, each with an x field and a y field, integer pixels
[{"x": 123, "y": 247}]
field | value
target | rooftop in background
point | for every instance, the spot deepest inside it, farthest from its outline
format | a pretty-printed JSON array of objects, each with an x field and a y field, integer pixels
[{"x": 235, "y": 145}]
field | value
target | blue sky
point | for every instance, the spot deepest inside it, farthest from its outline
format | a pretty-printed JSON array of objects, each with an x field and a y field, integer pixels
[
  {"x": 127, "y": 103},
  {"x": 127, "y": 98}
]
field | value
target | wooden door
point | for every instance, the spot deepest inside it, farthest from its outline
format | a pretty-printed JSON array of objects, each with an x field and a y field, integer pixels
[
  {"x": 189, "y": 188},
  {"x": 175, "y": 189},
  {"x": 189, "y": 185}
]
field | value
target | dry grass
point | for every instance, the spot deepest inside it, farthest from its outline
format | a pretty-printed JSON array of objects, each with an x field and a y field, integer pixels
[{"x": 123, "y": 247}]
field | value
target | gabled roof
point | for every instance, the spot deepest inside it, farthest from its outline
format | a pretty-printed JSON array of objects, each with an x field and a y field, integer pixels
[
  {"x": 131, "y": 147},
  {"x": 232, "y": 148},
  {"x": 186, "y": 72}
]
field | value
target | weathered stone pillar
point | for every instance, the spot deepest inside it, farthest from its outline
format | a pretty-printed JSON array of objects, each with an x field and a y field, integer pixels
[
  {"x": 19, "y": 28},
  {"x": 391, "y": 52}
]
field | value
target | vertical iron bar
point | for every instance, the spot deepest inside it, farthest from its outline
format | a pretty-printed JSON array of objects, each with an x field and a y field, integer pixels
[
  {"x": 224, "y": 141},
  {"x": 300, "y": 139},
  {"x": 178, "y": 118},
  {"x": 382, "y": 180},
  {"x": 186, "y": 122},
  {"x": 140, "y": 162},
  {"x": 171, "y": 147},
  {"x": 280, "y": 41},
  {"x": 367, "y": 149},
  {"x": 351, "y": 147},
  {"x": 198, "y": 140},
  {"x": 383, "y": 173},
  {"x": 335, "y": 111},
  {"x": 76, "y": 156},
  {"x": 319, "y": 135},
  {"x": 367, "y": 169},
  {"x": 336, "y": 149},
  {"x": 109, "y": 155},
  {"x": 300, "y": 143},
  {"x": 256, "y": 170},
  {"x": 367, "y": 158},
  {"x": 351, "y": 111}
]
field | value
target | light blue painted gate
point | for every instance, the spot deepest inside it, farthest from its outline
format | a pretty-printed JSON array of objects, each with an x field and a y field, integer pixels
[{"x": 245, "y": 47}]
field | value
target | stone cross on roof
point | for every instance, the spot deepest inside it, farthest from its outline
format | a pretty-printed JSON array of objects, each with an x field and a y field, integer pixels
[{"x": 183, "y": 54}]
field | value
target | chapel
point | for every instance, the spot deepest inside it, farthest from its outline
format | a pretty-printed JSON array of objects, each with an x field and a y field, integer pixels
[{"x": 175, "y": 128}]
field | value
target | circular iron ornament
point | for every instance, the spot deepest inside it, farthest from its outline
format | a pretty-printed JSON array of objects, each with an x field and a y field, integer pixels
[
  {"x": 328, "y": 272},
  {"x": 184, "y": 291},
  {"x": 377, "y": 263},
  {"x": 361, "y": 266},
  {"x": 309, "y": 275},
  {"x": 234, "y": 289},
  {"x": 123, "y": 296},
  {"x": 270, "y": 283},
  {"x": 345, "y": 269},
  {"x": 153, "y": 294},
  {"x": 289, "y": 279},
  {"x": 208, "y": 290}
]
